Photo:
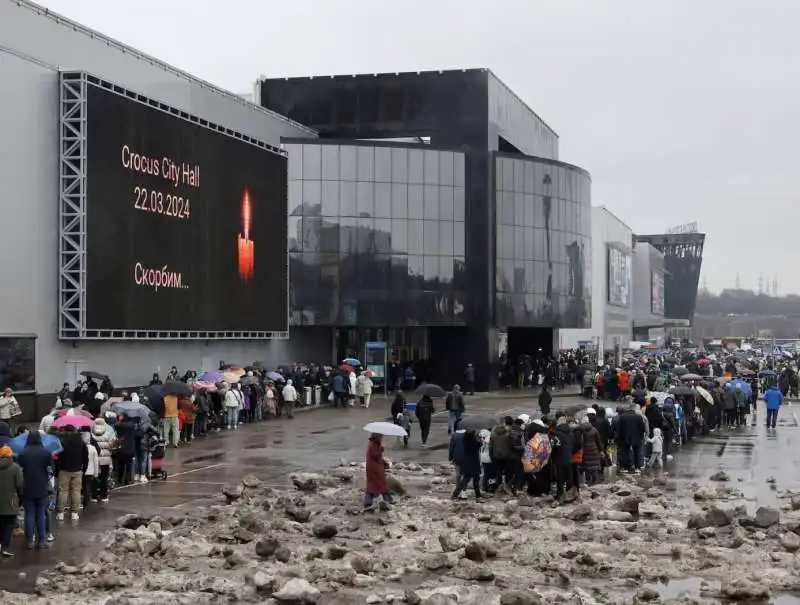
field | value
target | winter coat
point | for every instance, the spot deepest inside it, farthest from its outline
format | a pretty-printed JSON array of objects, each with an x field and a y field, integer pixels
[
  {"x": 728, "y": 400},
  {"x": 471, "y": 462},
  {"x": 398, "y": 405},
  {"x": 486, "y": 437},
  {"x": 11, "y": 484},
  {"x": 376, "y": 469},
  {"x": 563, "y": 442},
  {"x": 500, "y": 443},
  {"x": 9, "y": 408},
  {"x": 92, "y": 460},
  {"x": 339, "y": 384},
  {"x": 630, "y": 428},
  {"x": 105, "y": 437},
  {"x": 34, "y": 461},
  {"x": 545, "y": 399},
  {"x": 773, "y": 398},
  {"x": 73, "y": 457},
  {"x": 454, "y": 401},
  {"x": 425, "y": 408},
  {"x": 456, "y": 449},
  {"x": 5, "y": 433},
  {"x": 592, "y": 447},
  {"x": 126, "y": 436},
  {"x": 654, "y": 417},
  {"x": 516, "y": 436},
  {"x": 364, "y": 385}
]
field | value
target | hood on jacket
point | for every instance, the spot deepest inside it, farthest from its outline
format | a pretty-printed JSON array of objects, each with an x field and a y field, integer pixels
[
  {"x": 500, "y": 430},
  {"x": 656, "y": 433},
  {"x": 100, "y": 426},
  {"x": 34, "y": 438}
]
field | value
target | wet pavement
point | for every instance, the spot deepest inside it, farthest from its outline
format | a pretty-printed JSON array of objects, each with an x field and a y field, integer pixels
[{"x": 322, "y": 438}]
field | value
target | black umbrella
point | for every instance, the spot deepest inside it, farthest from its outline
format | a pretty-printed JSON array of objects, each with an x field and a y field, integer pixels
[
  {"x": 679, "y": 371},
  {"x": 691, "y": 377},
  {"x": 154, "y": 399},
  {"x": 174, "y": 387},
  {"x": 261, "y": 365},
  {"x": 477, "y": 423},
  {"x": 683, "y": 392},
  {"x": 94, "y": 375},
  {"x": 434, "y": 391}
]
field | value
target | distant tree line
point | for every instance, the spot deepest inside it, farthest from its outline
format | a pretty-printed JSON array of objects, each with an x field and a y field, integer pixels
[{"x": 746, "y": 302}]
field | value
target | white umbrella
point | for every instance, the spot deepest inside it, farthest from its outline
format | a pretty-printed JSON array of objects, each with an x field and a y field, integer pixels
[
  {"x": 705, "y": 394},
  {"x": 386, "y": 428}
]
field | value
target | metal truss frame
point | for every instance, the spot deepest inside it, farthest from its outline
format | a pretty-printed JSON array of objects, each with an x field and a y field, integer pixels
[
  {"x": 72, "y": 324},
  {"x": 72, "y": 206}
]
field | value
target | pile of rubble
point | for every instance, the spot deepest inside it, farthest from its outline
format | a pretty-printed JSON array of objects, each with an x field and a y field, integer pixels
[{"x": 620, "y": 542}]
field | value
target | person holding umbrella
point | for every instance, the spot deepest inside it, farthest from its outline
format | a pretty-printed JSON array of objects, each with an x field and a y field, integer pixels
[
  {"x": 377, "y": 484},
  {"x": 469, "y": 465}
]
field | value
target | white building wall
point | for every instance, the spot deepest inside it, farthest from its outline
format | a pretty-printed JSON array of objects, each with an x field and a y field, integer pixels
[{"x": 34, "y": 44}]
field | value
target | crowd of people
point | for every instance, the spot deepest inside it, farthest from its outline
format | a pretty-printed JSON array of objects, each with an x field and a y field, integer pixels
[{"x": 92, "y": 441}]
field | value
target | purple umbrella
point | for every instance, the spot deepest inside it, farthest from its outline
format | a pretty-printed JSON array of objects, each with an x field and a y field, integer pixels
[{"x": 211, "y": 376}]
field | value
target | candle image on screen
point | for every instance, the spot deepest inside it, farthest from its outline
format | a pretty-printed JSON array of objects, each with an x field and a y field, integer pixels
[{"x": 246, "y": 246}]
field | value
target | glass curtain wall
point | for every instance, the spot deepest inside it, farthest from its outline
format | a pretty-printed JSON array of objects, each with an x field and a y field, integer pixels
[
  {"x": 543, "y": 244},
  {"x": 376, "y": 235}
]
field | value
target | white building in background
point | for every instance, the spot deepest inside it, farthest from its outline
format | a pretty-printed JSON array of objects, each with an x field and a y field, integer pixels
[
  {"x": 648, "y": 293},
  {"x": 612, "y": 286}
]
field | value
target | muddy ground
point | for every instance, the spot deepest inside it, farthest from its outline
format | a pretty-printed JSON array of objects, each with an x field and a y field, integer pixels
[{"x": 625, "y": 541}]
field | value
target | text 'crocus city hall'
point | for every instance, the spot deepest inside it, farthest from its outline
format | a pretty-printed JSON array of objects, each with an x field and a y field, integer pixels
[{"x": 432, "y": 214}]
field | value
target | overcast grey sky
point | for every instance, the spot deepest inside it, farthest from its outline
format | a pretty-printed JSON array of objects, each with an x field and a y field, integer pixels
[{"x": 682, "y": 110}]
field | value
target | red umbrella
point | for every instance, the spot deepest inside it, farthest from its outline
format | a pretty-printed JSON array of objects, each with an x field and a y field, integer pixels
[
  {"x": 73, "y": 412},
  {"x": 703, "y": 362},
  {"x": 77, "y": 421},
  {"x": 346, "y": 368}
]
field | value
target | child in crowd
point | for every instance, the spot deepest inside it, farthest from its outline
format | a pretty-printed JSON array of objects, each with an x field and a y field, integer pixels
[{"x": 656, "y": 457}]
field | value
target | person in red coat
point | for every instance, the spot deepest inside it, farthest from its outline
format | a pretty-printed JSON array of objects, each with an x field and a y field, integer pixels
[{"x": 377, "y": 485}]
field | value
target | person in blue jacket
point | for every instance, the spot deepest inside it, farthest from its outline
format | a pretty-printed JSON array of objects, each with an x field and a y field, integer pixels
[{"x": 774, "y": 400}]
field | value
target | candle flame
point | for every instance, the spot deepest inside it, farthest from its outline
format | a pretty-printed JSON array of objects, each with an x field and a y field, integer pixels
[{"x": 246, "y": 214}]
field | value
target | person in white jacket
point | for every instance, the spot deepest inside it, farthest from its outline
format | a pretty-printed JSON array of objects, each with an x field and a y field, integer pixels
[
  {"x": 289, "y": 394},
  {"x": 364, "y": 389},
  {"x": 353, "y": 388},
  {"x": 92, "y": 470},
  {"x": 234, "y": 402}
]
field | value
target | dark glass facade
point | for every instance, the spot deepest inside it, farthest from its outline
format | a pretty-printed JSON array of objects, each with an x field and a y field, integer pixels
[
  {"x": 376, "y": 235},
  {"x": 386, "y": 236},
  {"x": 683, "y": 258},
  {"x": 543, "y": 249}
]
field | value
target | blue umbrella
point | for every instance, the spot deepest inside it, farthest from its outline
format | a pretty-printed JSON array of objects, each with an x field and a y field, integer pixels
[
  {"x": 745, "y": 386},
  {"x": 210, "y": 376},
  {"x": 351, "y": 362},
  {"x": 766, "y": 374},
  {"x": 50, "y": 443},
  {"x": 275, "y": 377}
]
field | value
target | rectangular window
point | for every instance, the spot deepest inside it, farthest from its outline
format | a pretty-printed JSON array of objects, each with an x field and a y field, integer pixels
[
  {"x": 295, "y": 164},
  {"x": 383, "y": 200},
  {"x": 330, "y": 162},
  {"x": 330, "y": 198},
  {"x": 431, "y": 202},
  {"x": 415, "y": 205},
  {"x": 431, "y": 168},
  {"x": 366, "y": 198},
  {"x": 399, "y": 200},
  {"x": 18, "y": 363},
  {"x": 459, "y": 236},
  {"x": 415, "y": 236},
  {"x": 366, "y": 163},
  {"x": 446, "y": 175},
  {"x": 383, "y": 164},
  {"x": 347, "y": 162},
  {"x": 458, "y": 204},
  {"x": 430, "y": 237},
  {"x": 399, "y": 236},
  {"x": 415, "y": 166},
  {"x": 446, "y": 238},
  {"x": 349, "y": 204},
  {"x": 312, "y": 162},
  {"x": 399, "y": 165},
  {"x": 446, "y": 203}
]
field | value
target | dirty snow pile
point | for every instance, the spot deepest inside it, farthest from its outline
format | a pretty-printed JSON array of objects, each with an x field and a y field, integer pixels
[{"x": 619, "y": 542}]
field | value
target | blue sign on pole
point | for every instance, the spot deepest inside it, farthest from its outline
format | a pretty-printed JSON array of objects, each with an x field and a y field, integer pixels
[{"x": 375, "y": 362}]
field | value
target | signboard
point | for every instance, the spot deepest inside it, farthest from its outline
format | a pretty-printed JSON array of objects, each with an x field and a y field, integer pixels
[
  {"x": 657, "y": 293},
  {"x": 684, "y": 228},
  {"x": 619, "y": 277},
  {"x": 375, "y": 361}
]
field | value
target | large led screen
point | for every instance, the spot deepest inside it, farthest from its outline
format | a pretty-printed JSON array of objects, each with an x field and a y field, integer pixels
[
  {"x": 619, "y": 277},
  {"x": 186, "y": 226},
  {"x": 657, "y": 293}
]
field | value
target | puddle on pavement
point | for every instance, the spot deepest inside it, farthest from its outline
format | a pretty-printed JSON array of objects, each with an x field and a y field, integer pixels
[
  {"x": 694, "y": 587},
  {"x": 205, "y": 458}
]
